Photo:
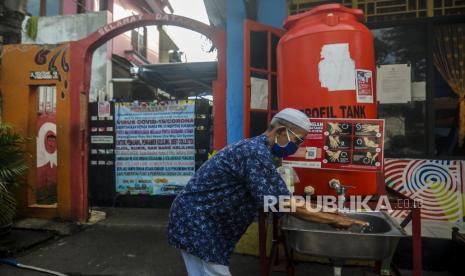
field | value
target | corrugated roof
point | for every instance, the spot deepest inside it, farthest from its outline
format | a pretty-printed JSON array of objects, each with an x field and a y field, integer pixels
[{"x": 181, "y": 80}]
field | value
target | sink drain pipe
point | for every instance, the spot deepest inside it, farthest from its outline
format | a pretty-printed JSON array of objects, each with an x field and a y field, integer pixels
[
  {"x": 15, "y": 263},
  {"x": 338, "y": 271},
  {"x": 337, "y": 266}
]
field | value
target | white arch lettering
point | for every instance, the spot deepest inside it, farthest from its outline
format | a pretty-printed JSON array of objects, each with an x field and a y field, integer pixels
[
  {"x": 115, "y": 28},
  {"x": 105, "y": 29}
]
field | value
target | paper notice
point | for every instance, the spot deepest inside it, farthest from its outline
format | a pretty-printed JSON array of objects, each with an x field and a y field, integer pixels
[
  {"x": 393, "y": 83},
  {"x": 258, "y": 93},
  {"x": 336, "y": 69},
  {"x": 419, "y": 91}
]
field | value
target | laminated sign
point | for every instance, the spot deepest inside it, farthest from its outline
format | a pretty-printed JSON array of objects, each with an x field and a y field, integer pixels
[
  {"x": 155, "y": 147},
  {"x": 341, "y": 144}
]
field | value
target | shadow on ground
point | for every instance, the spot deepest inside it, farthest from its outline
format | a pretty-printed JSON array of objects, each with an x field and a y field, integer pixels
[{"x": 133, "y": 242}]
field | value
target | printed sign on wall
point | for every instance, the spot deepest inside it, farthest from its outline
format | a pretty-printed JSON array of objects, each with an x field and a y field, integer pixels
[
  {"x": 155, "y": 147},
  {"x": 104, "y": 109},
  {"x": 364, "y": 86}
]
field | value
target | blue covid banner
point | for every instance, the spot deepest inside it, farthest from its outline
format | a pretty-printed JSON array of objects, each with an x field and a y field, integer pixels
[{"x": 155, "y": 147}]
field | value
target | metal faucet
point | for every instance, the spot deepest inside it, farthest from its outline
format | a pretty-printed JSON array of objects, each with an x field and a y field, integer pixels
[{"x": 340, "y": 190}]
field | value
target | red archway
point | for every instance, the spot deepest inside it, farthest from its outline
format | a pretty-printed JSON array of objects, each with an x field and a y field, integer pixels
[{"x": 81, "y": 52}]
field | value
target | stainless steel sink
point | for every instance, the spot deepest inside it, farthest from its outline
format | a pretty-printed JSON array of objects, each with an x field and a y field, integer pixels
[{"x": 376, "y": 242}]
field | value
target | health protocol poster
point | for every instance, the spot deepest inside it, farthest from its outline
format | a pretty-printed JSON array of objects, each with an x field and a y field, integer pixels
[
  {"x": 341, "y": 144},
  {"x": 155, "y": 147}
]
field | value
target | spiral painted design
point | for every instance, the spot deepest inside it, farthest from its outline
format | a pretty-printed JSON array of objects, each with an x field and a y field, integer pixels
[
  {"x": 51, "y": 64},
  {"x": 433, "y": 182},
  {"x": 64, "y": 64},
  {"x": 41, "y": 56}
]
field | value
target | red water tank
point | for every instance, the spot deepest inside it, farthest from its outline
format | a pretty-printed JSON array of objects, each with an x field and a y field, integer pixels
[
  {"x": 326, "y": 64},
  {"x": 326, "y": 68}
]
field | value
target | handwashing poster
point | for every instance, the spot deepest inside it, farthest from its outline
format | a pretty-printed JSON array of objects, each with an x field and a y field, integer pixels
[
  {"x": 155, "y": 147},
  {"x": 341, "y": 144}
]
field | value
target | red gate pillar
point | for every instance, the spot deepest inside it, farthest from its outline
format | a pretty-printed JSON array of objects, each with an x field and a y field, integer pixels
[
  {"x": 219, "y": 94},
  {"x": 78, "y": 131}
]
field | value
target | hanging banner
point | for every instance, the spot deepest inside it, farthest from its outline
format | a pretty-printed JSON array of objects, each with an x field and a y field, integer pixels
[
  {"x": 341, "y": 144},
  {"x": 155, "y": 147}
]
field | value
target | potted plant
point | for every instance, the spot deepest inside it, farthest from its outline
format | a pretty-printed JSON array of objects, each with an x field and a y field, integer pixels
[{"x": 13, "y": 164}]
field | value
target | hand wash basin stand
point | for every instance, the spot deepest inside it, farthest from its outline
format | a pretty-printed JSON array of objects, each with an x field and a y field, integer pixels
[{"x": 272, "y": 262}]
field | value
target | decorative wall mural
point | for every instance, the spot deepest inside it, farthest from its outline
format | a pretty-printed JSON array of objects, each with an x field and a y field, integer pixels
[
  {"x": 36, "y": 92},
  {"x": 437, "y": 184}
]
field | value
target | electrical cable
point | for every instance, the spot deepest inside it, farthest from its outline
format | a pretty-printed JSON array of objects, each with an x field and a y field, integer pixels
[{"x": 14, "y": 263}]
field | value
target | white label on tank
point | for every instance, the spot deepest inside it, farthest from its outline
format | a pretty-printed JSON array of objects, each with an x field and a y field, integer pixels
[
  {"x": 302, "y": 164},
  {"x": 336, "y": 69}
]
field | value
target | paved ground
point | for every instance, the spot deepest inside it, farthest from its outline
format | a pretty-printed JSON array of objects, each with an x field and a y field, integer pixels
[{"x": 133, "y": 242}]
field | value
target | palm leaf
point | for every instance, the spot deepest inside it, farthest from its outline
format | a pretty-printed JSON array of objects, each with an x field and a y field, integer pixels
[
  {"x": 12, "y": 166},
  {"x": 7, "y": 206},
  {"x": 12, "y": 155}
]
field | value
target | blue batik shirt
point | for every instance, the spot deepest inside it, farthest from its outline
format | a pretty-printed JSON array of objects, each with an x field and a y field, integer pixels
[{"x": 220, "y": 201}]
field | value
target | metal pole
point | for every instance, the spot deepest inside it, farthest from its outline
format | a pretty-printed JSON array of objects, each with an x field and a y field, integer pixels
[
  {"x": 262, "y": 242},
  {"x": 354, "y": 4},
  {"x": 430, "y": 8}
]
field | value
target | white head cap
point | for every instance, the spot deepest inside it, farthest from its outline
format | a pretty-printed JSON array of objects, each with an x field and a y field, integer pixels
[{"x": 295, "y": 117}]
